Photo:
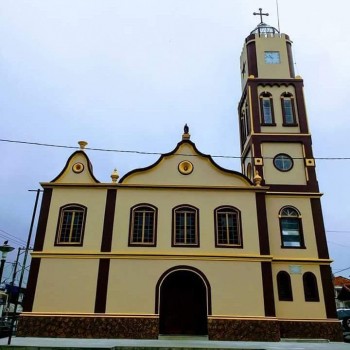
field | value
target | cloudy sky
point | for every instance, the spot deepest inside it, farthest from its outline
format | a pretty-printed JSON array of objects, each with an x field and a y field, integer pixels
[{"x": 128, "y": 74}]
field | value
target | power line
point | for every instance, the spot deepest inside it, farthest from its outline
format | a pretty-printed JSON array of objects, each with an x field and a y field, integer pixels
[
  {"x": 11, "y": 238},
  {"x": 144, "y": 152},
  {"x": 347, "y": 268},
  {"x": 339, "y": 244},
  {"x": 11, "y": 235}
]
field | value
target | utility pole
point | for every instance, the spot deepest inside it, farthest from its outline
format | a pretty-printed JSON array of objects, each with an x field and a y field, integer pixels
[{"x": 24, "y": 264}]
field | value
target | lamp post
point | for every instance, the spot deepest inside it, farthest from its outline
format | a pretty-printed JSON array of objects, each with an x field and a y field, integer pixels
[{"x": 4, "y": 249}]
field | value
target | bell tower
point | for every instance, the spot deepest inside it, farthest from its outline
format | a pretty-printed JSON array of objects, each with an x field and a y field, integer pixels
[{"x": 274, "y": 132}]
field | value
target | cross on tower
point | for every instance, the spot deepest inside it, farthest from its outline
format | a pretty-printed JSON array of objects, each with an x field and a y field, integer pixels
[{"x": 260, "y": 14}]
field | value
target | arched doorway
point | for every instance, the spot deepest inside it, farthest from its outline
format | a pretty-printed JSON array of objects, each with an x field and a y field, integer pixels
[{"x": 183, "y": 302}]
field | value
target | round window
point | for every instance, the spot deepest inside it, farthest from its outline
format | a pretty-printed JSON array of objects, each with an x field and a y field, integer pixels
[{"x": 283, "y": 162}]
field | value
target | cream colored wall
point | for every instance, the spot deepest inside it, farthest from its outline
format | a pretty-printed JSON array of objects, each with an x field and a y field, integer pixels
[
  {"x": 273, "y": 206},
  {"x": 299, "y": 308},
  {"x": 296, "y": 175},
  {"x": 226, "y": 280},
  {"x": 204, "y": 172},
  {"x": 276, "y": 92},
  {"x": 95, "y": 201},
  {"x": 205, "y": 200},
  {"x": 66, "y": 286},
  {"x": 275, "y": 43}
]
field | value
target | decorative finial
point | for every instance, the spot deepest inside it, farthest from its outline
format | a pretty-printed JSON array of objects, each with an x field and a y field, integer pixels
[
  {"x": 115, "y": 176},
  {"x": 257, "y": 179},
  {"x": 82, "y": 144},
  {"x": 186, "y": 135},
  {"x": 260, "y": 14}
]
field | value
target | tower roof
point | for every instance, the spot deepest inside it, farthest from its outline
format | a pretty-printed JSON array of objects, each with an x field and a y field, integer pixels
[{"x": 263, "y": 28}]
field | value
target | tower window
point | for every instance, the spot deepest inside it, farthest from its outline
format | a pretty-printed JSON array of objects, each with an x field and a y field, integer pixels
[
  {"x": 266, "y": 109},
  {"x": 228, "y": 227},
  {"x": 249, "y": 170},
  {"x": 283, "y": 162},
  {"x": 284, "y": 286},
  {"x": 310, "y": 287},
  {"x": 143, "y": 225},
  {"x": 244, "y": 124},
  {"x": 185, "y": 226},
  {"x": 288, "y": 109},
  {"x": 71, "y": 223},
  {"x": 291, "y": 229}
]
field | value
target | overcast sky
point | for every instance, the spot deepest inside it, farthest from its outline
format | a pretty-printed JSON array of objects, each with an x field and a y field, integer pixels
[{"x": 128, "y": 74}]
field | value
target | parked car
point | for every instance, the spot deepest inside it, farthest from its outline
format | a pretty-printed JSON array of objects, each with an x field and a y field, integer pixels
[{"x": 344, "y": 316}]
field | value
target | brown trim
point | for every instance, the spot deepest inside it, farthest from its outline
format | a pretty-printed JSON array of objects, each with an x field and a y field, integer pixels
[
  {"x": 320, "y": 232},
  {"x": 328, "y": 291},
  {"x": 187, "y": 268},
  {"x": 262, "y": 224},
  {"x": 43, "y": 217},
  {"x": 59, "y": 225},
  {"x": 293, "y": 188},
  {"x": 300, "y": 102},
  {"x": 297, "y": 138},
  {"x": 255, "y": 107},
  {"x": 155, "y": 224},
  {"x": 173, "y": 227},
  {"x": 102, "y": 286},
  {"x": 239, "y": 227},
  {"x": 31, "y": 286},
  {"x": 290, "y": 59},
  {"x": 269, "y": 299},
  {"x": 252, "y": 59},
  {"x": 276, "y": 82},
  {"x": 107, "y": 234}
]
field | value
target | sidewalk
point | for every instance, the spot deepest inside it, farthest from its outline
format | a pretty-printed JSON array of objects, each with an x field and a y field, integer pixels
[{"x": 176, "y": 343}]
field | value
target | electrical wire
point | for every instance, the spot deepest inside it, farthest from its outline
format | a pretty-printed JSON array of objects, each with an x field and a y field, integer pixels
[
  {"x": 16, "y": 241},
  {"x": 146, "y": 153}
]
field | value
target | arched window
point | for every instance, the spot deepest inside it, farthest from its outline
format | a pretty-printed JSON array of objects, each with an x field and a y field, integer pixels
[
  {"x": 249, "y": 170},
  {"x": 284, "y": 286},
  {"x": 71, "y": 223},
  {"x": 143, "y": 225},
  {"x": 266, "y": 109},
  {"x": 288, "y": 109},
  {"x": 244, "y": 123},
  {"x": 185, "y": 226},
  {"x": 227, "y": 227},
  {"x": 291, "y": 228},
  {"x": 310, "y": 287}
]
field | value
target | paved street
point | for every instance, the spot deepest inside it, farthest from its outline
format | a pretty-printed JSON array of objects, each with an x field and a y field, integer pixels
[{"x": 51, "y": 343}]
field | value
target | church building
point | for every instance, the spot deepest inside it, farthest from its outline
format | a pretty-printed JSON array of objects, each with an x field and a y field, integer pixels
[{"x": 186, "y": 247}]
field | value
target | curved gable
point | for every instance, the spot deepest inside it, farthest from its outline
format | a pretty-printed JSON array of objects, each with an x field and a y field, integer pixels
[
  {"x": 78, "y": 169},
  {"x": 186, "y": 166}
]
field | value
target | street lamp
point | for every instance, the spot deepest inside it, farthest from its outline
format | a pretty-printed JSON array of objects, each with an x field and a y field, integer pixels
[{"x": 4, "y": 249}]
